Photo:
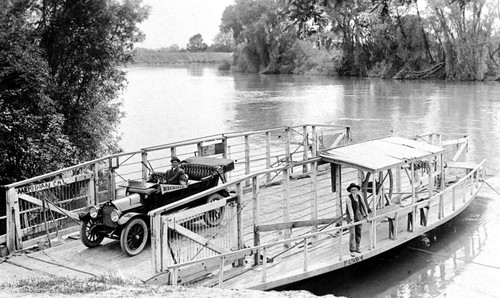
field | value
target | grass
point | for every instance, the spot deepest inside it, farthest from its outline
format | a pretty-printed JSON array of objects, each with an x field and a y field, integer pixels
[
  {"x": 72, "y": 286},
  {"x": 113, "y": 286}
]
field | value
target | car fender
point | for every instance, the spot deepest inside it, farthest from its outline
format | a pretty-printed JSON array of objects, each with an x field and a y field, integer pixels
[
  {"x": 84, "y": 215},
  {"x": 224, "y": 193},
  {"x": 128, "y": 216}
]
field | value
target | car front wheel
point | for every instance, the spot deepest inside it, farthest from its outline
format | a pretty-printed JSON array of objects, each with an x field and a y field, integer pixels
[
  {"x": 134, "y": 237},
  {"x": 87, "y": 236}
]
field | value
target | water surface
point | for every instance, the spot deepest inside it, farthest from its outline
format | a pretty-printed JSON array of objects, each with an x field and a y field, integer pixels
[{"x": 168, "y": 104}]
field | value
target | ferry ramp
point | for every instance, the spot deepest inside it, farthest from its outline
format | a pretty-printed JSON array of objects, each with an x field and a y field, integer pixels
[{"x": 72, "y": 259}]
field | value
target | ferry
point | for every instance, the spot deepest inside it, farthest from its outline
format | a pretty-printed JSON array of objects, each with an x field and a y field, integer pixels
[{"x": 282, "y": 217}]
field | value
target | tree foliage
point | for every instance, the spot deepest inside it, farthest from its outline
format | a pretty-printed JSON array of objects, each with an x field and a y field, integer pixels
[
  {"x": 31, "y": 128},
  {"x": 196, "y": 44},
  {"x": 454, "y": 39},
  {"x": 60, "y": 79},
  {"x": 223, "y": 42}
]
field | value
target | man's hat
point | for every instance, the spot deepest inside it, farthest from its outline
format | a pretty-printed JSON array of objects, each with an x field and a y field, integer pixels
[
  {"x": 175, "y": 159},
  {"x": 353, "y": 185}
]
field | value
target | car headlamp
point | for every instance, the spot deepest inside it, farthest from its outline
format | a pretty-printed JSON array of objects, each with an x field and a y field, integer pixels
[
  {"x": 93, "y": 212},
  {"x": 115, "y": 215}
]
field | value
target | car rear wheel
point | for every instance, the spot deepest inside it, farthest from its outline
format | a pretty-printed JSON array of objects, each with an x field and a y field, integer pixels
[
  {"x": 214, "y": 217},
  {"x": 134, "y": 237},
  {"x": 87, "y": 236}
]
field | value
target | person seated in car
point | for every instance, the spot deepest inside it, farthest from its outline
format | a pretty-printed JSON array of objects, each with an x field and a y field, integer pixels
[{"x": 176, "y": 175}]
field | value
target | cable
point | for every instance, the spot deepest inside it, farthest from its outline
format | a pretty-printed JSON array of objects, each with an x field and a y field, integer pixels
[
  {"x": 55, "y": 264},
  {"x": 498, "y": 193},
  {"x": 448, "y": 257}
]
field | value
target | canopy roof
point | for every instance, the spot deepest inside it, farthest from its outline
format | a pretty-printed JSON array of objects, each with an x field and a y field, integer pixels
[{"x": 380, "y": 154}]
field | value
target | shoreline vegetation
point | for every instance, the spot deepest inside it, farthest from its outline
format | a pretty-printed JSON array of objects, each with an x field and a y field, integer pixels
[
  {"x": 312, "y": 62},
  {"x": 159, "y": 57}
]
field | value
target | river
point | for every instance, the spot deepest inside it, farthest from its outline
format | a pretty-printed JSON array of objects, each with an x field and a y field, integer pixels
[{"x": 168, "y": 104}]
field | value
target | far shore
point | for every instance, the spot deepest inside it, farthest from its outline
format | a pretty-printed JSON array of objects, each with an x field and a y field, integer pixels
[{"x": 156, "y": 57}]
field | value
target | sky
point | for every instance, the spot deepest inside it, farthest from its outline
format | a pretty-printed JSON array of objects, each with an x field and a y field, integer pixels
[{"x": 176, "y": 21}]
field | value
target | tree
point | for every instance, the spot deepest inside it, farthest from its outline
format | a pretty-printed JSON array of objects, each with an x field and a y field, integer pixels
[
  {"x": 61, "y": 77},
  {"x": 196, "y": 44},
  {"x": 464, "y": 30},
  {"x": 255, "y": 28},
  {"x": 31, "y": 130},
  {"x": 223, "y": 42},
  {"x": 86, "y": 43}
]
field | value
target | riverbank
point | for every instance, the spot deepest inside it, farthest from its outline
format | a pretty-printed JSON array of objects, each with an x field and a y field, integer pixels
[
  {"x": 159, "y": 57},
  {"x": 106, "y": 286}
]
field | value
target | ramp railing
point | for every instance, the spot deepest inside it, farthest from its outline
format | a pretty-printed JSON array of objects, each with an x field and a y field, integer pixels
[{"x": 40, "y": 208}]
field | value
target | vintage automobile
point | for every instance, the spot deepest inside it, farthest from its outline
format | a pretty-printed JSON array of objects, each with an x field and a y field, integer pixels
[{"x": 126, "y": 218}]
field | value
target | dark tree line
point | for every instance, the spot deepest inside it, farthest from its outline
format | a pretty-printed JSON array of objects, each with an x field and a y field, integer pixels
[
  {"x": 449, "y": 39},
  {"x": 60, "y": 80}
]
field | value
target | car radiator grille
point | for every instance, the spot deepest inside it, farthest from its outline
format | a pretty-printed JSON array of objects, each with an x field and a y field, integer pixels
[{"x": 106, "y": 216}]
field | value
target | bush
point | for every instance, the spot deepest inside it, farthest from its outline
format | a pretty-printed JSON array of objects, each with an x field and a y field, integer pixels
[
  {"x": 312, "y": 60},
  {"x": 224, "y": 65}
]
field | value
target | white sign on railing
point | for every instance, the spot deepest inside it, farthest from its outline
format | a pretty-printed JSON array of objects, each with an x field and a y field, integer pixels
[{"x": 54, "y": 183}]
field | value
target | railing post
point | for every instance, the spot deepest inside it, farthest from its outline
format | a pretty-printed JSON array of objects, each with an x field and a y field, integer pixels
[
  {"x": 175, "y": 276},
  {"x": 396, "y": 226},
  {"x": 430, "y": 182},
  {"x": 221, "y": 271},
  {"x": 93, "y": 192},
  {"x": 288, "y": 151},
  {"x": 375, "y": 199},
  {"x": 286, "y": 202},
  {"x": 306, "y": 240},
  {"x": 224, "y": 145},
  {"x": 314, "y": 196},
  {"x": 268, "y": 155},
  {"x": 256, "y": 218},
  {"x": 199, "y": 149},
  {"x": 173, "y": 151},
  {"x": 314, "y": 141},
  {"x": 398, "y": 184},
  {"x": 247, "y": 157},
  {"x": 156, "y": 250},
  {"x": 13, "y": 220},
  {"x": 341, "y": 255},
  {"x": 470, "y": 182},
  {"x": 453, "y": 197},
  {"x": 347, "y": 135},
  {"x": 305, "y": 142},
  {"x": 239, "y": 220},
  {"x": 145, "y": 170},
  {"x": 264, "y": 264}
]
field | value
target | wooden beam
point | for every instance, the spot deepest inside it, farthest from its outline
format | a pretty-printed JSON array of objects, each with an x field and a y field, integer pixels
[
  {"x": 459, "y": 151},
  {"x": 337, "y": 141},
  {"x": 195, "y": 237},
  {"x": 186, "y": 214},
  {"x": 192, "y": 272},
  {"x": 51, "y": 206},
  {"x": 454, "y": 142},
  {"x": 296, "y": 224}
]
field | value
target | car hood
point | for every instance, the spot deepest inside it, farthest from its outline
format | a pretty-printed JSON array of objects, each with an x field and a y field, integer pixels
[{"x": 128, "y": 202}]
